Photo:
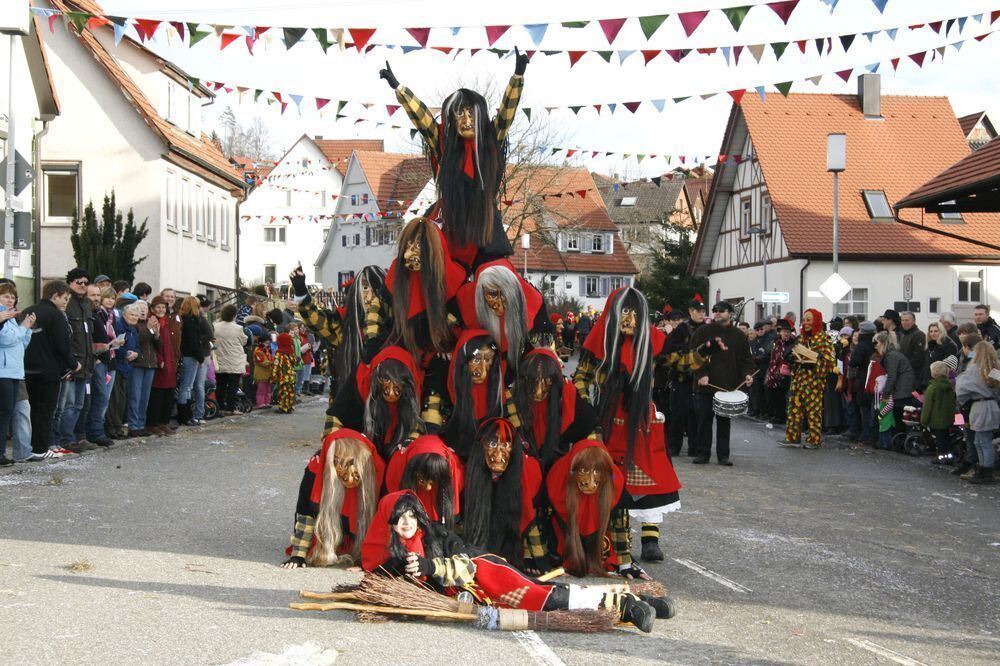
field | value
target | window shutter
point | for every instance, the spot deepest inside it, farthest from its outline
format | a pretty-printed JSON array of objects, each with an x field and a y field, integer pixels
[
  {"x": 609, "y": 242},
  {"x": 605, "y": 287},
  {"x": 559, "y": 242},
  {"x": 583, "y": 286},
  {"x": 588, "y": 243},
  {"x": 368, "y": 235},
  {"x": 343, "y": 241}
]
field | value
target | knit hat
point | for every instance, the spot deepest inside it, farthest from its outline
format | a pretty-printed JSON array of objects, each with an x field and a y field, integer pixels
[
  {"x": 867, "y": 327},
  {"x": 952, "y": 362},
  {"x": 102, "y": 278},
  {"x": 846, "y": 331},
  {"x": 77, "y": 273}
]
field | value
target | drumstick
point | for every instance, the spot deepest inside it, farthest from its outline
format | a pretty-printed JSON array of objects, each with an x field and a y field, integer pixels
[{"x": 718, "y": 388}]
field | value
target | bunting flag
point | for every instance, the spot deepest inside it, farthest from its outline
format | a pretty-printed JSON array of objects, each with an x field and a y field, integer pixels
[
  {"x": 691, "y": 20},
  {"x": 495, "y": 32},
  {"x": 784, "y": 9},
  {"x": 610, "y": 27},
  {"x": 361, "y": 36}
]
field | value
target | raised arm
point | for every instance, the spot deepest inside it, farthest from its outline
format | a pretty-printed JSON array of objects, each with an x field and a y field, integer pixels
[
  {"x": 419, "y": 114},
  {"x": 511, "y": 97}
]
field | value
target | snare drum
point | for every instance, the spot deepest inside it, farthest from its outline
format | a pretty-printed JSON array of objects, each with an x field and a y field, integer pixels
[{"x": 730, "y": 403}]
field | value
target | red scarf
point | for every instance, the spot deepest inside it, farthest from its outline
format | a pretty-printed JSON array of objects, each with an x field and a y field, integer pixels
[
  {"x": 427, "y": 444},
  {"x": 375, "y": 549},
  {"x": 469, "y": 165}
]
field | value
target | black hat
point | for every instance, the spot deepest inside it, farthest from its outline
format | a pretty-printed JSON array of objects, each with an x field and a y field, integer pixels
[
  {"x": 722, "y": 306},
  {"x": 697, "y": 303},
  {"x": 836, "y": 324},
  {"x": 783, "y": 325},
  {"x": 760, "y": 324},
  {"x": 675, "y": 315},
  {"x": 894, "y": 316},
  {"x": 77, "y": 273}
]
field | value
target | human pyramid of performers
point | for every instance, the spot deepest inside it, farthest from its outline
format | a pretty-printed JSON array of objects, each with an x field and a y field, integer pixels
[{"x": 452, "y": 416}]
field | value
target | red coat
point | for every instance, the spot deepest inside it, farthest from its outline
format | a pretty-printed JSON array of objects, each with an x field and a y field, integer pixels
[{"x": 165, "y": 376}]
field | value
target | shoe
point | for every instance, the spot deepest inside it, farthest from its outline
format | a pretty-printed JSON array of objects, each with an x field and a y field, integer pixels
[
  {"x": 35, "y": 457},
  {"x": 5, "y": 461},
  {"x": 789, "y": 444},
  {"x": 105, "y": 442},
  {"x": 700, "y": 460},
  {"x": 983, "y": 476},
  {"x": 651, "y": 551},
  {"x": 962, "y": 468},
  {"x": 195, "y": 422},
  {"x": 80, "y": 446},
  {"x": 725, "y": 462},
  {"x": 132, "y": 434},
  {"x": 971, "y": 473},
  {"x": 663, "y": 606},
  {"x": 638, "y": 613},
  {"x": 807, "y": 445}
]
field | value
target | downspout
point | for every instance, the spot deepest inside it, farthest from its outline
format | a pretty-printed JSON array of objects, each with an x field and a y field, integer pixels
[
  {"x": 802, "y": 287},
  {"x": 36, "y": 253}
]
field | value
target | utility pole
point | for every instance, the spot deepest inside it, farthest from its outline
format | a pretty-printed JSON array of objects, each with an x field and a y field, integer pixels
[{"x": 7, "y": 240}]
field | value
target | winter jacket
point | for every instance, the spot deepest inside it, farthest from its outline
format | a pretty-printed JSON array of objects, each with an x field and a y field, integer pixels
[
  {"x": 913, "y": 345},
  {"x": 263, "y": 360},
  {"x": 148, "y": 346},
  {"x": 857, "y": 363},
  {"x": 131, "y": 345},
  {"x": 14, "y": 340},
  {"x": 49, "y": 352},
  {"x": 79, "y": 313},
  {"x": 939, "y": 350},
  {"x": 979, "y": 398},
  {"x": 900, "y": 381},
  {"x": 191, "y": 338},
  {"x": 938, "y": 412},
  {"x": 990, "y": 331},
  {"x": 230, "y": 357},
  {"x": 728, "y": 368},
  {"x": 165, "y": 376},
  {"x": 207, "y": 333}
]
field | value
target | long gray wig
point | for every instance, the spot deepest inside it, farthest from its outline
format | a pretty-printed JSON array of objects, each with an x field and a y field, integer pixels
[{"x": 515, "y": 319}]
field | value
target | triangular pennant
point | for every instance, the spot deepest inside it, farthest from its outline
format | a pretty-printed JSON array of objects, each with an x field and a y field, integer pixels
[
  {"x": 219, "y": 29},
  {"x": 895, "y": 63},
  {"x": 258, "y": 92},
  {"x": 961, "y": 23},
  {"x": 226, "y": 39},
  {"x": 291, "y": 36},
  {"x": 622, "y": 55},
  {"x": 675, "y": 54},
  {"x": 801, "y": 43},
  {"x": 575, "y": 24},
  {"x": 443, "y": 49},
  {"x": 647, "y": 56},
  {"x": 844, "y": 74},
  {"x": 536, "y": 31},
  {"x": 892, "y": 34},
  {"x": 574, "y": 57},
  {"x": 527, "y": 113},
  {"x": 815, "y": 80},
  {"x": 737, "y": 95},
  {"x": 760, "y": 93},
  {"x": 737, "y": 52},
  {"x": 321, "y": 102},
  {"x": 736, "y": 15},
  {"x": 936, "y": 26},
  {"x": 79, "y": 20},
  {"x": 655, "y": 180},
  {"x": 879, "y": 5},
  {"x": 391, "y": 108},
  {"x": 872, "y": 68},
  {"x": 784, "y": 9},
  {"x": 784, "y": 88},
  {"x": 846, "y": 41},
  {"x": 658, "y": 104},
  {"x": 146, "y": 28},
  {"x": 726, "y": 51},
  {"x": 819, "y": 45},
  {"x": 612, "y": 107},
  {"x": 495, "y": 32},
  {"x": 678, "y": 100},
  {"x": 631, "y": 106},
  {"x": 420, "y": 34},
  {"x": 756, "y": 50},
  {"x": 611, "y": 28},
  {"x": 119, "y": 29},
  {"x": 779, "y": 49},
  {"x": 650, "y": 24},
  {"x": 598, "y": 107},
  {"x": 575, "y": 109},
  {"x": 691, "y": 20},
  {"x": 340, "y": 106},
  {"x": 948, "y": 24},
  {"x": 918, "y": 58},
  {"x": 297, "y": 99},
  {"x": 606, "y": 55},
  {"x": 180, "y": 28},
  {"x": 361, "y": 37},
  {"x": 96, "y": 22},
  {"x": 323, "y": 37}
]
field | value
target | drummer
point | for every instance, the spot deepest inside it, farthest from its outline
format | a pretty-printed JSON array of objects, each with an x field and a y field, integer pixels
[{"x": 730, "y": 368}]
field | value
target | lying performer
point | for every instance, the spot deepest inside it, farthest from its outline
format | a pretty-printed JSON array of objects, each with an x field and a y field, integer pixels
[
  {"x": 547, "y": 409},
  {"x": 432, "y": 470},
  {"x": 468, "y": 155},
  {"x": 383, "y": 401},
  {"x": 404, "y": 541},
  {"x": 337, "y": 499},
  {"x": 475, "y": 387},
  {"x": 502, "y": 486}
]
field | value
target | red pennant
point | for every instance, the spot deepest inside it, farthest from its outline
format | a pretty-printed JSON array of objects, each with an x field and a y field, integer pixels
[
  {"x": 179, "y": 27},
  {"x": 676, "y": 54},
  {"x": 321, "y": 102},
  {"x": 284, "y": 105},
  {"x": 277, "y": 96},
  {"x": 784, "y": 9},
  {"x": 691, "y": 20},
  {"x": 994, "y": 15},
  {"x": 443, "y": 49},
  {"x": 582, "y": 194},
  {"x": 598, "y": 107},
  {"x": 916, "y": 26},
  {"x": 737, "y": 95},
  {"x": 936, "y": 26},
  {"x": 250, "y": 42},
  {"x": 226, "y": 39},
  {"x": 631, "y": 106},
  {"x": 802, "y": 44},
  {"x": 845, "y": 74},
  {"x": 737, "y": 52},
  {"x": 574, "y": 57},
  {"x": 495, "y": 32},
  {"x": 722, "y": 159},
  {"x": 361, "y": 36},
  {"x": 95, "y": 22},
  {"x": 918, "y": 58},
  {"x": 420, "y": 34},
  {"x": 611, "y": 27},
  {"x": 391, "y": 108},
  {"x": 258, "y": 31},
  {"x": 709, "y": 51},
  {"x": 570, "y": 152},
  {"x": 369, "y": 48},
  {"x": 146, "y": 28},
  {"x": 682, "y": 159},
  {"x": 895, "y": 63},
  {"x": 649, "y": 55}
]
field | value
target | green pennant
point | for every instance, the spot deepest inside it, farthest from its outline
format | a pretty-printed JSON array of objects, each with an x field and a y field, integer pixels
[
  {"x": 575, "y": 24},
  {"x": 498, "y": 52},
  {"x": 606, "y": 55},
  {"x": 527, "y": 113},
  {"x": 640, "y": 157},
  {"x": 196, "y": 35},
  {"x": 736, "y": 15},
  {"x": 257, "y": 93},
  {"x": 323, "y": 38},
  {"x": 413, "y": 133},
  {"x": 575, "y": 109},
  {"x": 779, "y": 49},
  {"x": 340, "y": 106},
  {"x": 784, "y": 87},
  {"x": 651, "y": 24},
  {"x": 78, "y": 19},
  {"x": 680, "y": 99},
  {"x": 555, "y": 150}
]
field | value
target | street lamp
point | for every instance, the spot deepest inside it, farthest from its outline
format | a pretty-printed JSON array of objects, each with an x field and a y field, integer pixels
[
  {"x": 760, "y": 231},
  {"x": 525, "y": 244},
  {"x": 836, "y": 161}
]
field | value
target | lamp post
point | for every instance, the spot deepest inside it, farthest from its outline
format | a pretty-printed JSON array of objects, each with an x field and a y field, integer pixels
[
  {"x": 525, "y": 244},
  {"x": 758, "y": 229},
  {"x": 836, "y": 161}
]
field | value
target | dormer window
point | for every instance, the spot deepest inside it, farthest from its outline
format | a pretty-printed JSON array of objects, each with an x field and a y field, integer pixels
[
  {"x": 627, "y": 201},
  {"x": 953, "y": 217},
  {"x": 877, "y": 205}
]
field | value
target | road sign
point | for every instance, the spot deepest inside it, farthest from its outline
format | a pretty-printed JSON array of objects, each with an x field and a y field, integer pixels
[
  {"x": 908, "y": 287},
  {"x": 774, "y": 297},
  {"x": 834, "y": 288}
]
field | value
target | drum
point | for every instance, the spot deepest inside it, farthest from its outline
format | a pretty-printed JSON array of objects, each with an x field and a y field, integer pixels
[{"x": 730, "y": 403}]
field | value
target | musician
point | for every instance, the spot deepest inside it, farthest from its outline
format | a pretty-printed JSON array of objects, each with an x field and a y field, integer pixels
[
  {"x": 682, "y": 415},
  {"x": 729, "y": 368}
]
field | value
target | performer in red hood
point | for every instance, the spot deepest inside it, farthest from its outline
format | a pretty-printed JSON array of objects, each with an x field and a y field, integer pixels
[
  {"x": 512, "y": 310},
  {"x": 468, "y": 154},
  {"x": 617, "y": 360},
  {"x": 805, "y": 398},
  {"x": 502, "y": 486},
  {"x": 475, "y": 387},
  {"x": 403, "y": 540},
  {"x": 432, "y": 470},
  {"x": 383, "y": 401},
  {"x": 337, "y": 499},
  {"x": 547, "y": 409}
]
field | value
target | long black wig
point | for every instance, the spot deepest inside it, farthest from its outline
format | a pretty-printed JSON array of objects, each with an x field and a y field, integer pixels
[
  {"x": 352, "y": 350},
  {"x": 378, "y": 419},
  {"x": 436, "y": 468},
  {"x": 460, "y": 432},
  {"x": 533, "y": 368}
]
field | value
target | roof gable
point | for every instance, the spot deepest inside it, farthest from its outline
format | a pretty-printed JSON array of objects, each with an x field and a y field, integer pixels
[
  {"x": 338, "y": 151},
  {"x": 393, "y": 177},
  {"x": 649, "y": 202}
]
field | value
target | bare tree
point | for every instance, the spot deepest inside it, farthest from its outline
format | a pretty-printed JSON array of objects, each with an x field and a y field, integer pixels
[{"x": 253, "y": 141}]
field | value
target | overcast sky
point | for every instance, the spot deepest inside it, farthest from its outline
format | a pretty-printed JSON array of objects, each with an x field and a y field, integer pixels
[{"x": 970, "y": 78}]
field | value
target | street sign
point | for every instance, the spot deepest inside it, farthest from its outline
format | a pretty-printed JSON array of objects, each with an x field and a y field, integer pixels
[
  {"x": 834, "y": 288},
  {"x": 908, "y": 287},
  {"x": 774, "y": 297},
  {"x": 23, "y": 175}
]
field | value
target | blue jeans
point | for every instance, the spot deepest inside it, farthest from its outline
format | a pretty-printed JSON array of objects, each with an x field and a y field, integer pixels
[
  {"x": 984, "y": 448},
  {"x": 21, "y": 431},
  {"x": 186, "y": 380},
  {"x": 199, "y": 390},
  {"x": 71, "y": 399},
  {"x": 8, "y": 398},
  {"x": 100, "y": 393},
  {"x": 869, "y": 432},
  {"x": 302, "y": 376},
  {"x": 140, "y": 382}
]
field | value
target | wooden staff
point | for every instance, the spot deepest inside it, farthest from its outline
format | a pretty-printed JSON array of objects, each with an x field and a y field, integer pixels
[{"x": 555, "y": 573}]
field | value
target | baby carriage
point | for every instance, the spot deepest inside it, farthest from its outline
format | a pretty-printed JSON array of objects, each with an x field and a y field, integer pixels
[
  {"x": 918, "y": 440},
  {"x": 243, "y": 404}
]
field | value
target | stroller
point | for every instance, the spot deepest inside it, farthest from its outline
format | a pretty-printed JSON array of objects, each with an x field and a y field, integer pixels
[
  {"x": 243, "y": 404},
  {"x": 918, "y": 440}
]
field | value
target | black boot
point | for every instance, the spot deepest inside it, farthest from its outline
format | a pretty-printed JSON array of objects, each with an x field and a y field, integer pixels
[
  {"x": 962, "y": 467},
  {"x": 983, "y": 475},
  {"x": 637, "y": 612},
  {"x": 183, "y": 413},
  {"x": 651, "y": 551},
  {"x": 663, "y": 606}
]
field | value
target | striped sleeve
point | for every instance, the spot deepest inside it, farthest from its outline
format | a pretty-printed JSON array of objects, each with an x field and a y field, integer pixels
[
  {"x": 512, "y": 414},
  {"x": 420, "y": 116},
  {"x": 586, "y": 373},
  {"x": 317, "y": 321},
  {"x": 431, "y": 413},
  {"x": 508, "y": 107},
  {"x": 302, "y": 535},
  {"x": 534, "y": 544},
  {"x": 454, "y": 571},
  {"x": 620, "y": 536}
]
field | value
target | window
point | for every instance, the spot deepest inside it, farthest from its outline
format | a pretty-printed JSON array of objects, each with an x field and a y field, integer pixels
[
  {"x": 288, "y": 198},
  {"x": 199, "y": 211},
  {"x": 185, "y": 202},
  {"x": 934, "y": 305},
  {"x": 357, "y": 239},
  {"x": 343, "y": 277},
  {"x": 305, "y": 163},
  {"x": 765, "y": 213},
  {"x": 326, "y": 234},
  {"x": 364, "y": 198},
  {"x": 953, "y": 217},
  {"x": 322, "y": 199},
  {"x": 628, "y": 201},
  {"x": 224, "y": 225},
  {"x": 572, "y": 243},
  {"x": 62, "y": 195},
  {"x": 746, "y": 217},
  {"x": 970, "y": 286},
  {"x": 270, "y": 271},
  {"x": 569, "y": 285},
  {"x": 170, "y": 198},
  {"x": 854, "y": 303},
  {"x": 591, "y": 286},
  {"x": 274, "y": 234},
  {"x": 598, "y": 243},
  {"x": 354, "y": 199},
  {"x": 343, "y": 241},
  {"x": 878, "y": 205},
  {"x": 617, "y": 282},
  {"x": 210, "y": 217}
]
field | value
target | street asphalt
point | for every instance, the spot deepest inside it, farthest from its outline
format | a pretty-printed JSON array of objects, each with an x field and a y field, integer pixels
[{"x": 164, "y": 551}]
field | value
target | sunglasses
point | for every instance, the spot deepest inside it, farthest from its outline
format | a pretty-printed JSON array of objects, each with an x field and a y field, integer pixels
[{"x": 81, "y": 282}]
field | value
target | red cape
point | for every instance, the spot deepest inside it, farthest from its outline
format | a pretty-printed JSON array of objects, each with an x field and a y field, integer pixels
[
  {"x": 588, "y": 509},
  {"x": 454, "y": 276},
  {"x": 569, "y": 392},
  {"x": 595, "y": 340},
  {"x": 375, "y": 549},
  {"x": 317, "y": 464},
  {"x": 467, "y": 296},
  {"x": 427, "y": 444}
]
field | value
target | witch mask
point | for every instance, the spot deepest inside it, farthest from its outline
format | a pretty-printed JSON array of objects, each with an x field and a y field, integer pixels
[
  {"x": 480, "y": 363},
  {"x": 411, "y": 255}
]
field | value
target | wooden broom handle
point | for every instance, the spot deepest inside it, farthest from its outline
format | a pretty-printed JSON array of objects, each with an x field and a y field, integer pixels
[{"x": 343, "y": 605}]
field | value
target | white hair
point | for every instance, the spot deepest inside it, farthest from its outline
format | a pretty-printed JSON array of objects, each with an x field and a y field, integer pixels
[
  {"x": 515, "y": 320},
  {"x": 948, "y": 316}
]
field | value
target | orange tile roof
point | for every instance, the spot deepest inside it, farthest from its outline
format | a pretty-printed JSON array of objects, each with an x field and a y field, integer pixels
[
  {"x": 393, "y": 176},
  {"x": 916, "y": 139},
  {"x": 968, "y": 123},
  {"x": 976, "y": 172},
  {"x": 338, "y": 150},
  {"x": 187, "y": 147}
]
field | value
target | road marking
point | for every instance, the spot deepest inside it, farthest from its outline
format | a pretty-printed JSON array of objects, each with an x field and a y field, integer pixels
[
  {"x": 875, "y": 648},
  {"x": 536, "y": 648},
  {"x": 947, "y": 497},
  {"x": 718, "y": 578}
]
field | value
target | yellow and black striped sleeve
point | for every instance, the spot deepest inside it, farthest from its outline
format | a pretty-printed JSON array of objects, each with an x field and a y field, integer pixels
[
  {"x": 302, "y": 535},
  {"x": 586, "y": 373},
  {"x": 329, "y": 329},
  {"x": 508, "y": 107},
  {"x": 420, "y": 116}
]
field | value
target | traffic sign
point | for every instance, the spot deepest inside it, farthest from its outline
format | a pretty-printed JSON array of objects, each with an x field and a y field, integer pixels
[
  {"x": 908, "y": 287},
  {"x": 774, "y": 297},
  {"x": 834, "y": 288}
]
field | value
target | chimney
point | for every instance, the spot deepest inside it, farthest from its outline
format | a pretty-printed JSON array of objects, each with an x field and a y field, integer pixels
[
  {"x": 869, "y": 95},
  {"x": 319, "y": 137}
]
